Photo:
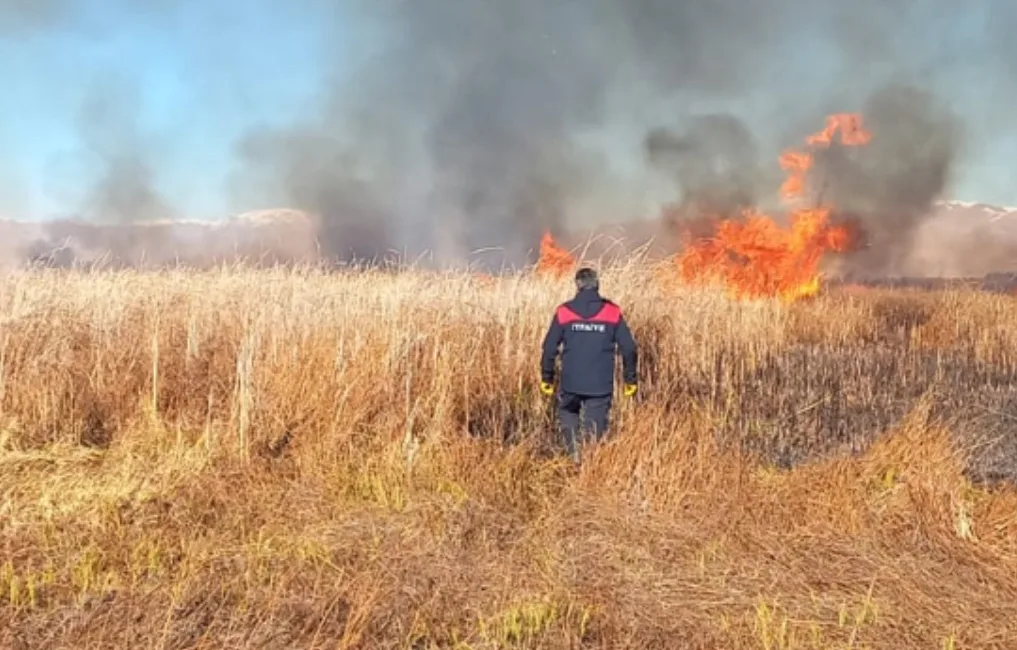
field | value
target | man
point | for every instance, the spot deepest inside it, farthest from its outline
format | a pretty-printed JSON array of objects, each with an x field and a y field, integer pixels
[{"x": 588, "y": 328}]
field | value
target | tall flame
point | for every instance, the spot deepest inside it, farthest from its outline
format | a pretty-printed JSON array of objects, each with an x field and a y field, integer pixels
[
  {"x": 758, "y": 258},
  {"x": 554, "y": 260}
]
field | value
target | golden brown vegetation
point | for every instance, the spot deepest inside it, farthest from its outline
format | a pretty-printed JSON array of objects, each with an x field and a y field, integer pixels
[{"x": 284, "y": 459}]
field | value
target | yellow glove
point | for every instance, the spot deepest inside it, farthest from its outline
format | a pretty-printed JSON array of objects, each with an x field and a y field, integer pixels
[
  {"x": 630, "y": 390},
  {"x": 546, "y": 388}
]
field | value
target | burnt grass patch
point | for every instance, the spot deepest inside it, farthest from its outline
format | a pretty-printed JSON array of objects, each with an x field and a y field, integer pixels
[{"x": 812, "y": 401}]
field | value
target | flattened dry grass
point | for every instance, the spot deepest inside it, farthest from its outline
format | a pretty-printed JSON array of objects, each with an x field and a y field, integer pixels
[{"x": 241, "y": 459}]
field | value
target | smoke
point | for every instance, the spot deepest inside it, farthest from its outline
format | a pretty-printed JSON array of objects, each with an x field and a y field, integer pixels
[
  {"x": 482, "y": 113},
  {"x": 19, "y": 16},
  {"x": 126, "y": 187},
  {"x": 123, "y": 189},
  {"x": 715, "y": 165},
  {"x": 454, "y": 127},
  {"x": 885, "y": 190},
  {"x": 465, "y": 132},
  {"x": 479, "y": 113},
  {"x": 889, "y": 186},
  {"x": 315, "y": 172}
]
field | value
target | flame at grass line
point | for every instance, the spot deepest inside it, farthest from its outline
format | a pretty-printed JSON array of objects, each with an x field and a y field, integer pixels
[
  {"x": 554, "y": 260},
  {"x": 757, "y": 258}
]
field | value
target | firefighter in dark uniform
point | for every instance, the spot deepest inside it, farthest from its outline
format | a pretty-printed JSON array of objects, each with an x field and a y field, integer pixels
[{"x": 588, "y": 328}]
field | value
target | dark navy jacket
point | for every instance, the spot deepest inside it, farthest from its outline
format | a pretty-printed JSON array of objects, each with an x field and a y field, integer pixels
[{"x": 588, "y": 327}]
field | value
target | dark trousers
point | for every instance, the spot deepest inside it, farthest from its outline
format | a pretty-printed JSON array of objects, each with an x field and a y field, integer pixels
[{"x": 582, "y": 417}]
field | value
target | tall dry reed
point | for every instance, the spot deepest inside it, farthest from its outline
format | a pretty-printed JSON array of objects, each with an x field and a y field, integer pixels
[{"x": 297, "y": 459}]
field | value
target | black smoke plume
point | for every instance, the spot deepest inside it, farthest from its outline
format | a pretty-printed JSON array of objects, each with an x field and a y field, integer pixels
[
  {"x": 884, "y": 189},
  {"x": 715, "y": 165},
  {"x": 480, "y": 109},
  {"x": 889, "y": 185}
]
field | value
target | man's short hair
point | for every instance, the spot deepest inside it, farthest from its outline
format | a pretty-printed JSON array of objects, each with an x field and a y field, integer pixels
[{"x": 586, "y": 278}]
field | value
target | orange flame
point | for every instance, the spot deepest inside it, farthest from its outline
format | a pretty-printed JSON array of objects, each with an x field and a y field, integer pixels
[
  {"x": 758, "y": 258},
  {"x": 554, "y": 260}
]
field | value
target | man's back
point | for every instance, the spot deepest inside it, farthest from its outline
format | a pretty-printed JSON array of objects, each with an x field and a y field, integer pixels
[{"x": 588, "y": 327}]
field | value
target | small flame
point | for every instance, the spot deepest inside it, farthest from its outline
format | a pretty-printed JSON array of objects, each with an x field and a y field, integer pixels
[
  {"x": 758, "y": 258},
  {"x": 850, "y": 127},
  {"x": 796, "y": 164},
  {"x": 554, "y": 260}
]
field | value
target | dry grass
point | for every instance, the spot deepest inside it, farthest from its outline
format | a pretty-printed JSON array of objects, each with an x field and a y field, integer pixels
[{"x": 288, "y": 459}]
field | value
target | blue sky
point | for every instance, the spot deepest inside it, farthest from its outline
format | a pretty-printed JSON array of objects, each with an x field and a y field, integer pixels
[{"x": 201, "y": 74}]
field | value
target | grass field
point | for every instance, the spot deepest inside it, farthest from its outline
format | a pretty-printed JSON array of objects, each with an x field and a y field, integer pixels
[{"x": 283, "y": 459}]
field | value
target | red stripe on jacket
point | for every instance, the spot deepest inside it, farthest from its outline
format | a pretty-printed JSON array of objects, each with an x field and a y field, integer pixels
[{"x": 609, "y": 313}]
